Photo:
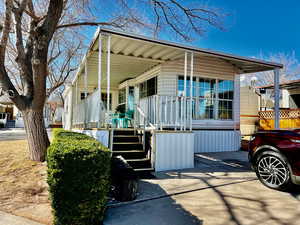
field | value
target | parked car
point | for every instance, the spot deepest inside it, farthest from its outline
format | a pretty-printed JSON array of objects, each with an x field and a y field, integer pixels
[{"x": 275, "y": 157}]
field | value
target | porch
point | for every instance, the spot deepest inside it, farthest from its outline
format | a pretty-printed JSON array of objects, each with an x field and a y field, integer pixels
[
  {"x": 172, "y": 100},
  {"x": 161, "y": 84}
]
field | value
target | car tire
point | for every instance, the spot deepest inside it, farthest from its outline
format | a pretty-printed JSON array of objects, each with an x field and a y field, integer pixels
[{"x": 272, "y": 169}]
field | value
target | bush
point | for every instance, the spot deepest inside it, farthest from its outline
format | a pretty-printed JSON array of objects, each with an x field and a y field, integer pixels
[{"x": 78, "y": 178}]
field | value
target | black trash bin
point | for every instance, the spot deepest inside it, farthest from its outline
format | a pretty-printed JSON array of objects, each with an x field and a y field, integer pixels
[{"x": 124, "y": 180}]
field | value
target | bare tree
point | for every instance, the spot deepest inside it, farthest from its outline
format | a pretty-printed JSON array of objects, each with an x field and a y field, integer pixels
[{"x": 32, "y": 26}]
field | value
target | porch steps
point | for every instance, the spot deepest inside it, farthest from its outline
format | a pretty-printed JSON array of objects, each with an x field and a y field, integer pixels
[{"x": 128, "y": 144}]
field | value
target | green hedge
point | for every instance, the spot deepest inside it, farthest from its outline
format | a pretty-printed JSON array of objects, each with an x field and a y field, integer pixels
[{"x": 78, "y": 178}]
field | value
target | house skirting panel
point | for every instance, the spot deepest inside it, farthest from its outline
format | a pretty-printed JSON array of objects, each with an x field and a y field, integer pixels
[
  {"x": 173, "y": 150},
  {"x": 216, "y": 140},
  {"x": 100, "y": 135}
]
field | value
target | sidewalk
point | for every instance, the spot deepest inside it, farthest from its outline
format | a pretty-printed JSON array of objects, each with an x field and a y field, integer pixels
[{"x": 9, "y": 219}]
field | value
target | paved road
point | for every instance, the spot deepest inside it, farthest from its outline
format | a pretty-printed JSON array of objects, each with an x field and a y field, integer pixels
[
  {"x": 8, "y": 219},
  {"x": 12, "y": 134},
  {"x": 221, "y": 190},
  {"x": 15, "y": 134}
]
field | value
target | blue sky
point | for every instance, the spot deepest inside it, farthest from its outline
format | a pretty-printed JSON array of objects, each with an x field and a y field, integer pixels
[{"x": 256, "y": 26}]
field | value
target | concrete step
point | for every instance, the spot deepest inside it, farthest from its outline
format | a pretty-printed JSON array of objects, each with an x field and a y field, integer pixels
[
  {"x": 130, "y": 154},
  {"x": 144, "y": 170},
  {"x": 139, "y": 163}
]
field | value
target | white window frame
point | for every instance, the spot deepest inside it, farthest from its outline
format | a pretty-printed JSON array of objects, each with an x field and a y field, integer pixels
[{"x": 216, "y": 99}]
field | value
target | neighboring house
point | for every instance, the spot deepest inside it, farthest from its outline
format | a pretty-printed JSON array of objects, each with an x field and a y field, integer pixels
[
  {"x": 257, "y": 107},
  {"x": 151, "y": 81},
  {"x": 11, "y": 117},
  {"x": 9, "y": 114},
  {"x": 290, "y": 95},
  {"x": 289, "y": 105}
]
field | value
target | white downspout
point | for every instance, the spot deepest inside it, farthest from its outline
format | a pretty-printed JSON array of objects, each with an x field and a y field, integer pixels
[
  {"x": 191, "y": 90},
  {"x": 108, "y": 72},
  {"x": 100, "y": 77},
  {"x": 183, "y": 105}
]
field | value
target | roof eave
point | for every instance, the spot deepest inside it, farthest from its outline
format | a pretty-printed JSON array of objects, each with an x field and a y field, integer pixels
[{"x": 272, "y": 65}]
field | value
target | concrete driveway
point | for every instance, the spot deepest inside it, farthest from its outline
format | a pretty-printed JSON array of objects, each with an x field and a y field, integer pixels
[{"x": 221, "y": 190}]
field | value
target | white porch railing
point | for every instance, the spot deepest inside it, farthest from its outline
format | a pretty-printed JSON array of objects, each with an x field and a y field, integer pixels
[
  {"x": 90, "y": 110},
  {"x": 168, "y": 111},
  {"x": 158, "y": 111}
]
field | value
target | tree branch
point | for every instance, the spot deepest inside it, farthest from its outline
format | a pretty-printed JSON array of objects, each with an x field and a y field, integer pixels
[
  {"x": 5, "y": 31},
  {"x": 85, "y": 24}
]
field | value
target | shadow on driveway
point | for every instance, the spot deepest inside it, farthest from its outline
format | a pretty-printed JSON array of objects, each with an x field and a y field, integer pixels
[
  {"x": 219, "y": 190},
  {"x": 154, "y": 211}
]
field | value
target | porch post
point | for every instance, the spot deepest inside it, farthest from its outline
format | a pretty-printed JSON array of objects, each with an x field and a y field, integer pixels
[
  {"x": 108, "y": 72},
  {"x": 183, "y": 100},
  {"x": 85, "y": 92},
  {"x": 277, "y": 97},
  {"x": 185, "y": 74},
  {"x": 191, "y": 90},
  {"x": 99, "y": 77}
]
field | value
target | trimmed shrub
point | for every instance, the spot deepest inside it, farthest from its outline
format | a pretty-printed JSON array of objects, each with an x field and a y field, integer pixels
[{"x": 78, "y": 178}]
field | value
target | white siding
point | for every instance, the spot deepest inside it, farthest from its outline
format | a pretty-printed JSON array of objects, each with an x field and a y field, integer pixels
[
  {"x": 155, "y": 71},
  {"x": 249, "y": 105},
  {"x": 167, "y": 83},
  {"x": 203, "y": 66},
  {"x": 217, "y": 141},
  {"x": 68, "y": 108},
  {"x": 173, "y": 151}
]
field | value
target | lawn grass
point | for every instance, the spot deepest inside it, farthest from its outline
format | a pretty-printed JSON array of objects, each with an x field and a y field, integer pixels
[{"x": 22, "y": 182}]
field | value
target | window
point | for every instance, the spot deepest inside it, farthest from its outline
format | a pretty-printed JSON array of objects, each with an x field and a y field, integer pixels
[
  {"x": 130, "y": 105},
  {"x": 122, "y": 96},
  {"x": 188, "y": 84},
  {"x": 104, "y": 99},
  {"x": 207, "y": 98},
  {"x": 122, "y": 99},
  {"x": 148, "y": 88},
  {"x": 82, "y": 95},
  {"x": 213, "y": 98},
  {"x": 225, "y": 92}
]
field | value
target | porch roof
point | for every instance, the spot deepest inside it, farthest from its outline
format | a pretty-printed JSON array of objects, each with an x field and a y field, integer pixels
[
  {"x": 292, "y": 84},
  {"x": 132, "y": 54}
]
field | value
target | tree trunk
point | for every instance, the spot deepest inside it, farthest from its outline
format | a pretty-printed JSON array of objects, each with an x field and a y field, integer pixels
[{"x": 37, "y": 136}]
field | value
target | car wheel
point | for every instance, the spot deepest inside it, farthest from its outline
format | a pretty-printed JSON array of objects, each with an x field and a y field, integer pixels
[{"x": 272, "y": 170}]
